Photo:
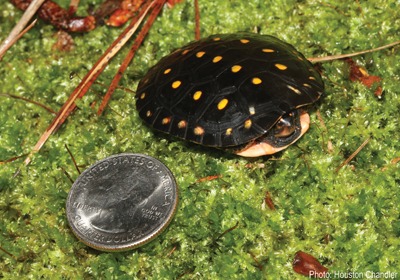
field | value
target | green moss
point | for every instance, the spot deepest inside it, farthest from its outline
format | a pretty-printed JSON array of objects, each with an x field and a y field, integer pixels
[{"x": 356, "y": 207}]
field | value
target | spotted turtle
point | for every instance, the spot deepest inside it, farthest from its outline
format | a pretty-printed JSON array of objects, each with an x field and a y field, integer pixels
[{"x": 240, "y": 91}]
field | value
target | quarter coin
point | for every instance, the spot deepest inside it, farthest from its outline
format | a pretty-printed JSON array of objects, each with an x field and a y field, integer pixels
[{"x": 122, "y": 202}]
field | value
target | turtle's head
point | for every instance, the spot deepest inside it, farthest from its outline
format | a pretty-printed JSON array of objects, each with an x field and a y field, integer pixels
[{"x": 287, "y": 130}]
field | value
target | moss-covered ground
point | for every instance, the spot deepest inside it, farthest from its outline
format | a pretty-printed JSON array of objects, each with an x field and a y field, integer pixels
[{"x": 348, "y": 219}]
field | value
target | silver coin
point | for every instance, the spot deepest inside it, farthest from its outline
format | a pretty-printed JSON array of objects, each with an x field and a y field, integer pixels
[{"x": 122, "y": 202}]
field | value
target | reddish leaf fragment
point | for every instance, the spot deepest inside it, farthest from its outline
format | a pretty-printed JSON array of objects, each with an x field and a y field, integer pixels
[
  {"x": 126, "y": 10},
  {"x": 359, "y": 74},
  {"x": 307, "y": 265},
  {"x": 395, "y": 160},
  {"x": 119, "y": 17},
  {"x": 64, "y": 42},
  {"x": 378, "y": 91},
  {"x": 106, "y": 8},
  {"x": 59, "y": 17},
  {"x": 268, "y": 201},
  {"x": 369, "y": 81},
  {"x": 120, "y": 12},
  {"x": 356, "y": 72}
]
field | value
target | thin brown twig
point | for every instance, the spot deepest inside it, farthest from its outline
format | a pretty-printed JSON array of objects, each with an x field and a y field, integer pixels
[
  {"x": 340, "y": 56},
  {"x": 172, "y": 251},
  {"x": 74, "y": 74},
  {"x": 12, "y": 159},
  {"x": 209, "y": 178},
  {"x": 73, "y": 159},
  {"x": 8, "y": 253},
  {"x": 118, "y": 87},
  {"x": 29, "y": 101},
  {"x": 86, "y": 83},
  {"x": 139, "y": 39},
  {"x": 67, "y": 174},
  {"x": 227, "y": 231},
  {"x": 353, "y": 155},
  {"x": 321, "y": 120},
  {"x": 325, "y": 129},
  {"x": 258, "y": 264},
  {"x": 11, "y": 42},
  {"x": 16, "y": 31},
  {"x": 197, "y": 19}
]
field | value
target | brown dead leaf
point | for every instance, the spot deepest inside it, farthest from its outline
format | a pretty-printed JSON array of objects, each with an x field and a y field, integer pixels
[
  {"x": 306, "y": 264},
  {"x": 360, "y": 74}
]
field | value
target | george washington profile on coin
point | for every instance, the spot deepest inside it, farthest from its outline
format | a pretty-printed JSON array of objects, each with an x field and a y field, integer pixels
[{"x": 125, "y": 196}]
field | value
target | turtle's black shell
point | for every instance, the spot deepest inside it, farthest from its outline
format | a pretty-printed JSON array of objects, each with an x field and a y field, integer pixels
[{"x": 226, "y": 90}]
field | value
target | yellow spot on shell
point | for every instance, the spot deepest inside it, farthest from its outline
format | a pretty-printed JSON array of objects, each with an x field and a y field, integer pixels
[
  {"x": 198, "y": 130},
  {"x": 176, "y": 84},
  {"x": 182, "y": 124},
  {"x": 247, "y": 124},
  {"x": 229, "y": 131},
  {"x": 252, "y": 110},
  {"x": 268, "y": 50},
  {"x": 363, "y": 71},
  {"x": 256, "y": 81},
  {"x": 149, "y": 114},
  {"x": 200, "y": 54},
  {"x": 222, "y": 104},
  {"x": 281, "y": 66},
  {"x": 311, "y": 78},
  {"x": 217, "y": 58},
  {"x": 216, "y": 39},
  {"x": 307, "y": 85},
  {"x": 244, "y": 41},
  {"x": 185, "y": 52},
  {"x": 166, "y": 120},
  {"x": 197, "y": 95},
  {"x": 143, "y": 95},
  {"x": 295, "y": 90},
  {"x": 236, "y": 68},
  {"x": 166, "y": 71}
]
